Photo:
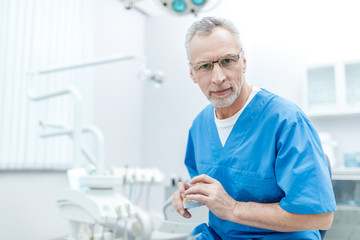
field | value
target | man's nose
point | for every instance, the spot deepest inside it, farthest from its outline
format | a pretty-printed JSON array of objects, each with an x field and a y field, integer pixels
[{"x": 217, "y": 74}]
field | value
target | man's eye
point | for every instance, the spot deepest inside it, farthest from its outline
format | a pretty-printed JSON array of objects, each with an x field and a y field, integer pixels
[
  {"x": 205, "y": 66},
  {"x": 227, "y": 60}
]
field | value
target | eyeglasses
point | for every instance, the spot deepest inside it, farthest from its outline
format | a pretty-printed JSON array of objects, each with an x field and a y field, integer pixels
[{"x": 226, "y": 62}]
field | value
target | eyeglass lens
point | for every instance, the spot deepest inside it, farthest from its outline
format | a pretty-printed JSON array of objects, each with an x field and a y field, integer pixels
[{"x": 225, "y": 62}]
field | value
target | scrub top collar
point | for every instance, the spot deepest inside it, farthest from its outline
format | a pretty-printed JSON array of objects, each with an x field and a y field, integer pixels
[{"x": 241, "y": 126}]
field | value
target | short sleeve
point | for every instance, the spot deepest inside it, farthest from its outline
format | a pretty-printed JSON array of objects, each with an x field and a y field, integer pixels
[
  {"x": 190, "y": 157},
  {"x": 302, "y": 172}
]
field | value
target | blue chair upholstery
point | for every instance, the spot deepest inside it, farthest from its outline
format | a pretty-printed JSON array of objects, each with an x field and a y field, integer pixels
[{"x": 323, "y": 232}]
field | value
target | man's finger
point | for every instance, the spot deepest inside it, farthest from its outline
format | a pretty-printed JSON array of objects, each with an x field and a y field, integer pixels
[
  {"x": 181, "y": 188},
  {"x": 197, "y": 197},
  {"x": 177, "y": 200},
  {"x": 202, "y": 178},
  {"x": 198, "y": 189}
]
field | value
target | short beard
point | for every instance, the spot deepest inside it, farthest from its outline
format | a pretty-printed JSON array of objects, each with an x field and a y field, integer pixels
[
  {"x": 224, "y": 102},
  {"x": 227, "y": 102}
]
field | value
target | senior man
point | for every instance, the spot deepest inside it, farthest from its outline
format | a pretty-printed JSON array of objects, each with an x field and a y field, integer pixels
[{"x": 255, "y": 159}]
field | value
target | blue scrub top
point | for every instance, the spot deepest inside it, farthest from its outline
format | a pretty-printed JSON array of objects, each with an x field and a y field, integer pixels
[{"x": 273, "y": 154}]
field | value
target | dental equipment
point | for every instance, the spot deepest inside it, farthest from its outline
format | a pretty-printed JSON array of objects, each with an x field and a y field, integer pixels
[
  {"x": 157, "y": 77},
  {"x": 191, "y": 204},
  {"x": 176, "y": 7},
  {"x": 92, "y": 200}
]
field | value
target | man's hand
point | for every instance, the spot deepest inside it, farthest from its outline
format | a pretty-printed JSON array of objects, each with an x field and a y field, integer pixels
[
  {"x": 177, "y": 200},
  {"x": 210, "y": 192}
]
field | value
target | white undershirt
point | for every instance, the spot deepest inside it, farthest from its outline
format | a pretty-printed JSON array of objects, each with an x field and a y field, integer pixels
[{"x": 224, "y": 126}]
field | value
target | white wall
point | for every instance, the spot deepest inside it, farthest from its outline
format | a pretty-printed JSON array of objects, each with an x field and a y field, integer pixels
[
  {"x": 169, "y": 110},
  {"x": 118, "y": 93}
]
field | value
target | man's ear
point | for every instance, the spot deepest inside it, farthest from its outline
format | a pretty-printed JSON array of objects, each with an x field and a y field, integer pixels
[
  {"x": 244, "y": 64},
  {"x": 192, "y": 76}
]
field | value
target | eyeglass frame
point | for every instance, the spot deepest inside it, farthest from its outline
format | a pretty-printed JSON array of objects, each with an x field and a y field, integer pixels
[{"x": 238, "y": 56}]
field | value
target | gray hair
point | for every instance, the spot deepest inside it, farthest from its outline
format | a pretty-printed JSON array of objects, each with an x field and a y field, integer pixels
[{"x": 206, "y": 26}]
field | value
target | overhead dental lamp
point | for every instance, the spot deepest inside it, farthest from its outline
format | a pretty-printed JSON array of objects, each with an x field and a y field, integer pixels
[
  {"x": 182, "y": 7},
  {"x": 177, "y": 7}
]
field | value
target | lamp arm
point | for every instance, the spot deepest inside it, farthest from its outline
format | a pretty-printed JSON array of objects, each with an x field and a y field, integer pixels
[{"x": 88, "y": 63}]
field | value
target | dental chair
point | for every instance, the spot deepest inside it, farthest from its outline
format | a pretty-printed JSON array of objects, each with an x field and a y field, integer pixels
[{"x": 174, "y": 223}]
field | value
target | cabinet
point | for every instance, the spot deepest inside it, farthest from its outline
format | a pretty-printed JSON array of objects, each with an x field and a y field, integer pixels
[
  {"x": 333, "y": 89},
  {"x": 346, "y": 174},
  {"x": 332, "y": 102}
]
